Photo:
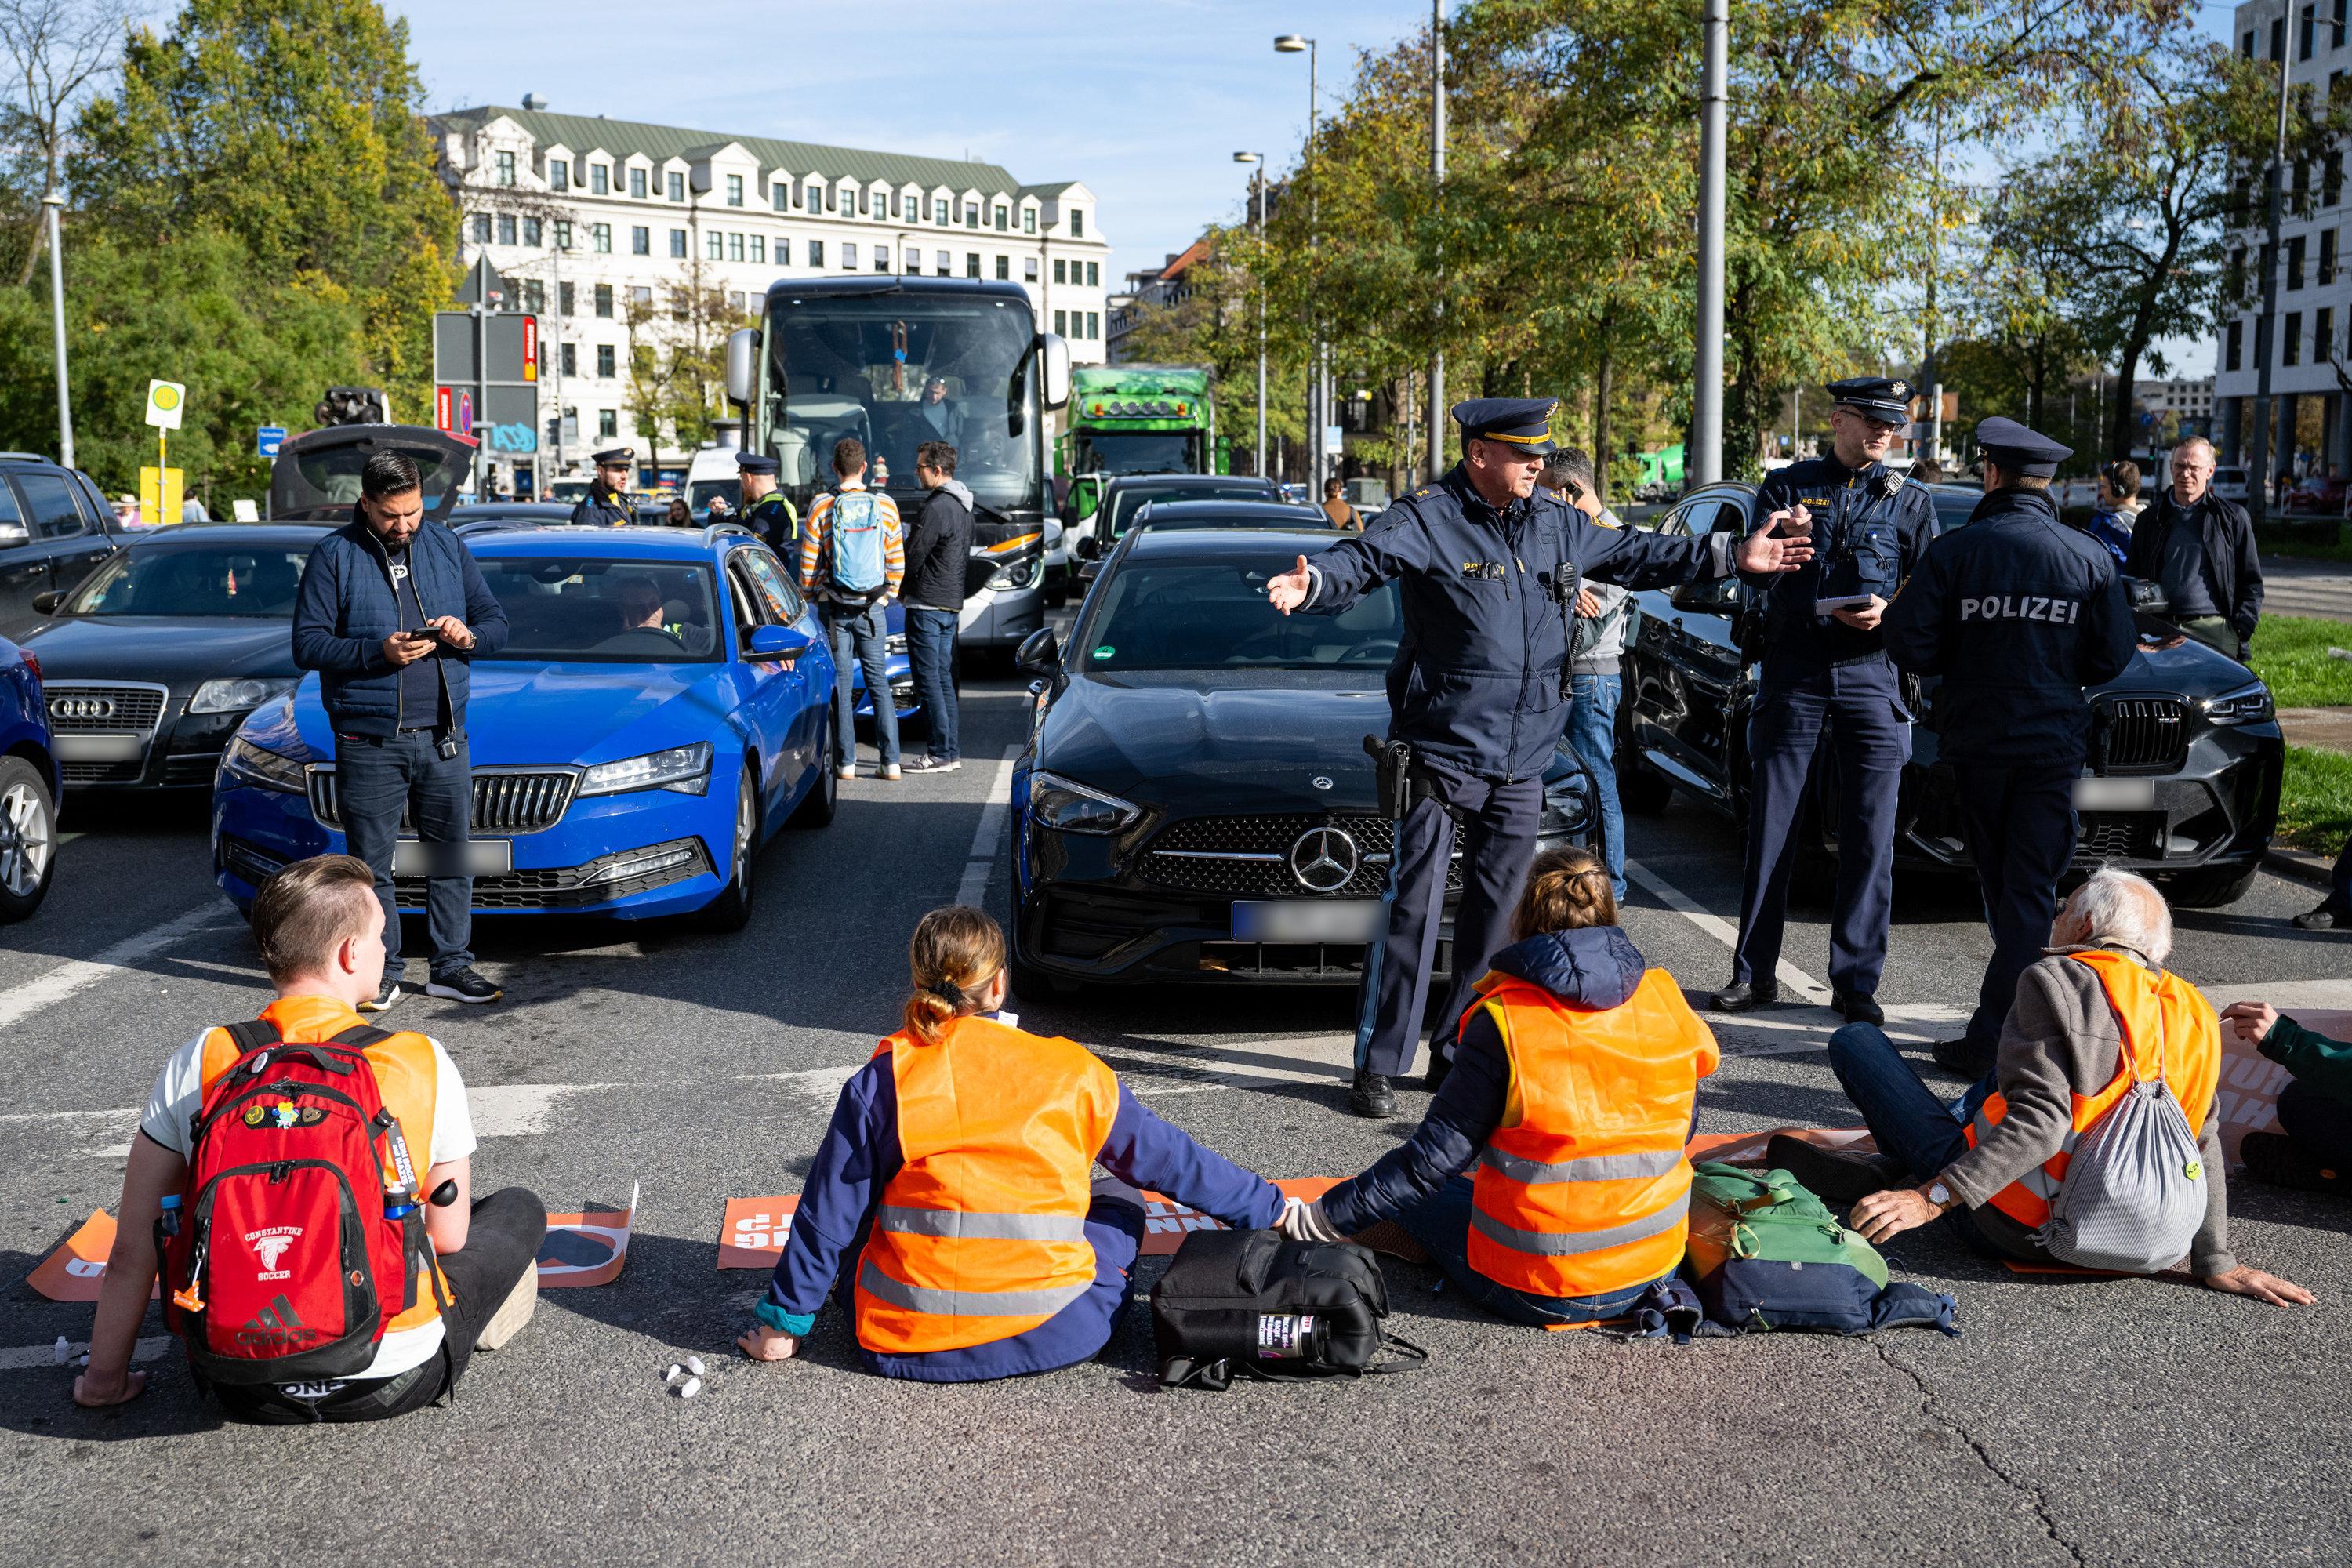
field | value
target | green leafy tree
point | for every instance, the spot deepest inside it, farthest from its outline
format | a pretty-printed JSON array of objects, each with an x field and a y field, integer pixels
[{"x": 677, "y": 357}]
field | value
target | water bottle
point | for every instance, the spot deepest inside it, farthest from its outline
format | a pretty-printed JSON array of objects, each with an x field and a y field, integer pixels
[
  {"x": 1292, "y": 1336},
  {"x": 168, "y": 1221},
  {"x": 399, "y": 1203}
]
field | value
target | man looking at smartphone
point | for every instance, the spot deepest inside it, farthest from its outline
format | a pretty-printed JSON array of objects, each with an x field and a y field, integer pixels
[{"x": 391, "y": 611}]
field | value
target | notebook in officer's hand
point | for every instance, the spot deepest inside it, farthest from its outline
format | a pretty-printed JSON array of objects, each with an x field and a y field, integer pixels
[{"x": 1843, "y": 602}]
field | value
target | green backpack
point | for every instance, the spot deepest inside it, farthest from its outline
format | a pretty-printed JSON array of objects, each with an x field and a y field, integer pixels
[{"x": 1767, "y": 1254}]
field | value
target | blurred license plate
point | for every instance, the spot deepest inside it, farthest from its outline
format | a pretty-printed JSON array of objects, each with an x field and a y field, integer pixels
[
  {"x": 2115, "y": 794},
  {"x": 1306, "y": 920},
  {"x": 484, "y": 858}
]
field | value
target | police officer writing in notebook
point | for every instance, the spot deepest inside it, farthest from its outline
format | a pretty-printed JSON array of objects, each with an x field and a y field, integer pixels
[
  {"x": 2017, "y": 612},
  {"x": 1489, "y": 569},
  {"x": 607, "y": 504},
  {"x": 1825, "y": 667}
]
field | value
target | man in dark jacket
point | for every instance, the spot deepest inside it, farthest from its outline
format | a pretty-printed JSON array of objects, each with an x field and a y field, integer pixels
[
  {"x": 937, "y": 548},
  {"x": 390, "y": 609},
  {"x": 2200, "y": 548}
]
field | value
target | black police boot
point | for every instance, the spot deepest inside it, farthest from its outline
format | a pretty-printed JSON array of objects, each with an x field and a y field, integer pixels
[
  {"x": 2280, "y": 1162},
  {"x": 1741, "y": 994},
  {"x": 1965, "y": 1056},
  {"x": 1372, "y": 1095},
  {"x": 1838, "y": 1176},
  {"x": 1857, "y": 1006}
]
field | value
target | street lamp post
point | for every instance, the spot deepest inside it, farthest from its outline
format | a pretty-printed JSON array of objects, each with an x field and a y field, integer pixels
[
  {"x": 1319, "y": 372},
  {"x": 1257, "y": 228},
  {"x": 52, "y": 202},
  {"x": 2258, "y": 492},
  {"x": 1707, "y": 395}
]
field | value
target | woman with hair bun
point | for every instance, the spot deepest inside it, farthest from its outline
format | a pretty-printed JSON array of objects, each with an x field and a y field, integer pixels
[
  {"x": 953, "y": 1194},
  {"x": 1571, "y": 1095}
]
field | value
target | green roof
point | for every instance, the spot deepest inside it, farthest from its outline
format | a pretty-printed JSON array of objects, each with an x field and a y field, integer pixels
[{"x": 622, "y": 138}]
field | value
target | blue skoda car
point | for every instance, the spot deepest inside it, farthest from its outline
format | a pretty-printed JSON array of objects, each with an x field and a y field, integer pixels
[{"x": 663, "y": 704}]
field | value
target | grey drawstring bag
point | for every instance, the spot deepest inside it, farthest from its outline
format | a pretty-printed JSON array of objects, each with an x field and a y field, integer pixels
[{"x": 2134, "y": 1192}]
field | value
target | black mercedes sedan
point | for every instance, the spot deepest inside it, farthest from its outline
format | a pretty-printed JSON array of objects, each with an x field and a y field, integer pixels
[
  {"x": 153, "y": 661},
  {"x": 1195, "y": 803},
  {"x": 2182, "y": 786}
]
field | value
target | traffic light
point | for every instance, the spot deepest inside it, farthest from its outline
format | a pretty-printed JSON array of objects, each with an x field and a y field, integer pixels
[{"x": 352, "y": 406}]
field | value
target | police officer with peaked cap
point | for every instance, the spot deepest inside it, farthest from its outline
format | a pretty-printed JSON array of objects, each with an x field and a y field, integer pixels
[
  {"x": 1825, "y": 672},
  {"x": 2018, "y": 612},
  {"x": 606, "y": 505},
  {"x": 1488, "y": 568},
  {"x": 765, "y": 510}
]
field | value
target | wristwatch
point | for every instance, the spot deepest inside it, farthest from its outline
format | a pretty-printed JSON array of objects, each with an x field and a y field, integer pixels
[{"x": 1942, "y": 1196}]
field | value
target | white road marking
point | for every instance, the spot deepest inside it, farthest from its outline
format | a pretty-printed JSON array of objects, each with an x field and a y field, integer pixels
[
  {"x": 521, "y": 1109},
  {"x": 23, "y": 1358},
  {"x": 21, "y": 1002},
  {"x": 1794, "y": 980},
  {"x": 988, "y": 836}
]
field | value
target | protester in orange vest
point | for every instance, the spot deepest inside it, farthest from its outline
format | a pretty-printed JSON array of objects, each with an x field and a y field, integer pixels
[
  {"x": 1572, "y": 1096},
  {"x": 320, "y": 933},
  {"x": 953, "y": 1194},
  {"x": 2095, "y": 1012}
]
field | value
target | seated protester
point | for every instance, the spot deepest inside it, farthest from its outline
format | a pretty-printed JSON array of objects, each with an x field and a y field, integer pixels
[
  {"x": 320, "y": 933},
  {"x": 1572, "y": 1093},
  {"x": 1999, "y": 1150},
  {"x": 952, "y": 1194},
  {"x": 2313, "y": 1147}
]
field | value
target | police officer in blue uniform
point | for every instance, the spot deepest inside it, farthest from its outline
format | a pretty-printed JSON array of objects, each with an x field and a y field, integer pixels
[
  {"x": 1824, "y": 669},
  {"x": 606, "y": 503},
  {"x": 766, "y": 512},
  {"x": 2017, "y": 613},
  {"x": 1488, "y": 567}
]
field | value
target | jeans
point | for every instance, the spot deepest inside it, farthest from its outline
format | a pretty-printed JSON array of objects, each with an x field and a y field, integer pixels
[
  {"x": 863, "y": 635},
  {"x": 502, "y": 1240},
  {"x": 2020, "y": 824},
  {"x": 1441, "y": 1223},
  {"x": 378, "y": 776},
  {"x": 1910, "y": 1123},
  {"x": 1592, "y": 731},
  {"x": 932, "y": 649}
]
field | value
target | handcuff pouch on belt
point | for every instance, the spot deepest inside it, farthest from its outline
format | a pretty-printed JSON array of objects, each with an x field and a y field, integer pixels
[{"x": 1402, "y": 781}]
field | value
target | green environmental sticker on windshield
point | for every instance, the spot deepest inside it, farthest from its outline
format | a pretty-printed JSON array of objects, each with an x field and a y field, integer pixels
[{"x": 1105, "y": 651}]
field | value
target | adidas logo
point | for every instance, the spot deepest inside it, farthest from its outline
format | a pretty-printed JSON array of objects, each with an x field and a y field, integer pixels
[{"x": 275, "y": 1329}]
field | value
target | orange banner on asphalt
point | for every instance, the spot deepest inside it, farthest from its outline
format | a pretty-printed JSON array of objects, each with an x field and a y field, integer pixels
[
  {"x": 74, "y": 1271},
  {"x": 589, "y": 1247},
  {"x": 751, "y": 1232},
  {"x": 1165, "y": 1221}
]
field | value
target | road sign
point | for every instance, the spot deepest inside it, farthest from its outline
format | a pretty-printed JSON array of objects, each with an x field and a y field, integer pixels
[
  {"x": 159, "y": 495},
  {"x": 166, "y": 401},
  {"x": 445, "y": 412},
  {"x": 267, "y": 439},
  {"x": 511, "y": 342},
  {"x": 465, "y": 414}
]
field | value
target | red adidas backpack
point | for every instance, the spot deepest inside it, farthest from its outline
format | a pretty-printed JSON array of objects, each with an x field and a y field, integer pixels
[{"x": 293, "y": 1252}]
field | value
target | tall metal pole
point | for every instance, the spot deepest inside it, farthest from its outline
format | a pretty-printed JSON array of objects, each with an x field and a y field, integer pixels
[
  {"x": 2258, "y": 493},
  {"x": 1437, "y": 415},
  {"x": 1318, "y": 367},
  {"x": 1705, "y": 464},
  {"x": 1929, "y": 371},
  {"x": 53, "y": 201},
  {"x": 1257, "y": 228}
]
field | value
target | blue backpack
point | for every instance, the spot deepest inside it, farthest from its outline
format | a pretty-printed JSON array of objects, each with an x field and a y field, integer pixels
[{"x": 857, "y": 568}]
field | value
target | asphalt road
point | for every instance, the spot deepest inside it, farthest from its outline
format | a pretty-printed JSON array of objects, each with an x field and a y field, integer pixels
[{"x": 2094, "y": 1422}]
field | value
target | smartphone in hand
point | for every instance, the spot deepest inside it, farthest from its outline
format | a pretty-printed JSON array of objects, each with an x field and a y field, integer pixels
[{"x": 429, "y": 634}]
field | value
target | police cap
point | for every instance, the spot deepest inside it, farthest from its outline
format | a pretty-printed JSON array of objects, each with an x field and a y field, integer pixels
[
  {"x": 1523, "y": 423},
  {"x": 753, "y": 463},
  {"x": 2019, "y": 450},
  {"x": 1876, "y": 396},
  {"x": 614, "y": 455}
]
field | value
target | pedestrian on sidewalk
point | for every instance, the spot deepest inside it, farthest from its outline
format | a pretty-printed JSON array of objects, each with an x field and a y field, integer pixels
[
  {"x": 2201, "y": 549},
  {"x": 853, "y": 558},
  {"x": 2119, "y": 510},
  {"x": 2334, "y": 911},
  {"x": 1336, "y": 507},
  {"x": 939, "y": 550},
  {"x": 1596, "y": 659}
]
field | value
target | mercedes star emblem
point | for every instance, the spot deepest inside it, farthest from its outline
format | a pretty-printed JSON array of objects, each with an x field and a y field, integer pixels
[
  {"x": 1323, "y": 859},
  {"x": 1321, "y": 782}
]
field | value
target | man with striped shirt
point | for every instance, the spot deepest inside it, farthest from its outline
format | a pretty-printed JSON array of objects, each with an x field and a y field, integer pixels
[{"x": 853, "y": 591}]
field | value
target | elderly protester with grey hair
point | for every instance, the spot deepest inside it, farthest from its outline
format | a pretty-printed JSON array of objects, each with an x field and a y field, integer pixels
[{"x": 2098, "y": 1005}]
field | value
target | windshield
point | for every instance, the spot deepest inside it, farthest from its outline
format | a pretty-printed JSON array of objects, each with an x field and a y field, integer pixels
[
  {"x": 1194, "y": 614},
  {"x": 587, "y": 611},
  {"x": 324, "y": 477},
  {"x": 895, "y": 371},
  {"x": 193, "y": 580},
  {"x": 1131, "y": 498},
  {"x": 702, "y": 492},
  {"x": 1138, "y": 452}
]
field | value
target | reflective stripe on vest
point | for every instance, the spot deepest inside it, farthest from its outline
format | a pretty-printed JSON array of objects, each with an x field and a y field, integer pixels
[
  {"x": 981, "y": 1234},
  {"x": 1591, "y": 1168},
  {"x": 1569, "y": 1244},
  {"x": 2169, "y": 1031}
]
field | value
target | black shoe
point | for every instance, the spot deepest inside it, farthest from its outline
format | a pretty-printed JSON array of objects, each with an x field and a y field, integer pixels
[
  {"x": 1858, "y": 1006},
  {"x": 1440, "y": 1065},
  {"x": 1372, "y": 1095},
  {"x": 2324, "y": 918},
  {"x": 1838, "y": 1177},
  {"x": 1741, "y": 994},
  {"x": 1970, "y": 1059},
  {"x": 933, "y": 764},
  {"x": 464, "y": 985},
  {"x": 385, "y": 995},
  {"x": 2280, "y": 1162}
]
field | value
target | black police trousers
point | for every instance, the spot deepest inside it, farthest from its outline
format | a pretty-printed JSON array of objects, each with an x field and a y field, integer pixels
[
  {"x": 1498, "y": 837},
  {"x": 2019, "y": 820}
]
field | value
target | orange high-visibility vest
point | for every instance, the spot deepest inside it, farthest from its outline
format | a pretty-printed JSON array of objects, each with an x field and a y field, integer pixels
[
  {"x": 981, "y": 1234},
  {"x": 2168, "y": 1027},
  {"x": 1584, "y": 1188},
  {"x": 405, "y": 1079}
]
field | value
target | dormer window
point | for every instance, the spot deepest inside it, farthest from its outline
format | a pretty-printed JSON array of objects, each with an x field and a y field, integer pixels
[
  {"x": 637, "y": 184},
  {"x": 1028, "y": 220},
  {"x": 559, "y": 175},
  {"x": 734, "y": 190},
  {"x": 506, "y": 168},
  {"x": 676, "y": 186},
  {"x": 1078, "y": 223},
  {"x": 600, "y": 180}
]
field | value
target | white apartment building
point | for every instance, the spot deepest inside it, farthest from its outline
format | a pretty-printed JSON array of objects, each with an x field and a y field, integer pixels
[{"x": 586, "y": 216}]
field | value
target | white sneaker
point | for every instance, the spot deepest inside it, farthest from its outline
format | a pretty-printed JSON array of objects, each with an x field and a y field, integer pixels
[
  {"x": 512, "y": 1313},
  {"x": 846, "y": 771},
  {"x": 890, "y": 773}
]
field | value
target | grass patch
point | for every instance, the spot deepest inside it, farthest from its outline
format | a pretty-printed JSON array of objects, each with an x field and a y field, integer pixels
[
  {"x": 2315, "y": 800},
  {"x": 2291, "y": 655}
]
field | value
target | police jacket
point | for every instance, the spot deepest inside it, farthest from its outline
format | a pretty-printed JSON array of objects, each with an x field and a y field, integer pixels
[
  {"x": 771, "y": 517},
  {"x": 607, "y": 511},
  {"x": 1870, "y": 529},
  {"x": 1489, "y": 598},
  {"x": 2018, "y": 612},
  {"x": 2234, "y": 570},
  {"x": 346, "y": 606}
]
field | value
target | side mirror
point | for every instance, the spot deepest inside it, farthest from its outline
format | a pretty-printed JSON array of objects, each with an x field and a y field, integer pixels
[
  {"x": 777, "y": 642},
  {"x": 13, "y": 533},
  {"x": 1054, "y": 361},
  {"x": 47, "y": 601},
  {"x": 1041, "y": 654},
  {"x": 1088, "y": 547},
  {"x": 1717, "y": 596},
  {"x": 744, "y": 364}
]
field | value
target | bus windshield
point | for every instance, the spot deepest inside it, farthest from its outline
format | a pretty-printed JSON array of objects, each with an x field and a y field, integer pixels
[{"x": 895, "y": 370}]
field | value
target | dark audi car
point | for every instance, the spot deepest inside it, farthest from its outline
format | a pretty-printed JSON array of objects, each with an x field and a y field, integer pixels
[
  {"x": 2182, "y": 784},
  {"x": 1195, "y": 802}
]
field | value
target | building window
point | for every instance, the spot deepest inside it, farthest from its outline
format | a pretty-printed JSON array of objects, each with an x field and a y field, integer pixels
[
  {"x": 600, "y": 180},
  {"x": 1094, "y": 274},
  {"x": 1029, "y": 269},
  {"x": 1077, "y": 223},
  {"x": 2237, "y": 335},
  {"x": 1004, "y": 269},
  {"x": 779, "y": 196},
  {"x": 608, "y": 425},
  {"x": 849, "y": 256},
  {"x": 783, "y": 250},
  {"x": 734, "y": 190},
  {"x": 2292, "y": 350},
  {"x": 816, "y": 253},
  {"x": 604, "y": 361},
  {"x": 2295, "y": 262},
  {"x": 945, "y": 261},
  {"x": 506, "y": 228},
  {"x": 532, "y": 235},
  {"x": 2326, "y": 256},
  {"x": 564, "y": 296},
  {"x": 734, "y": 247},
  {"x": 2323, "y": 336},
  {"x": 971, "y": 264},
  {"x": 1061, "y": 270},
  {"x": 815, "y": 196},
  {"x": 1004, "y": 217},
  {"x": 559, "y": 175},
  {"x": 1094, "y": 324},
  {"x": 759, "y": 248},
  {"x": 2303, "y": 40},
  {"x": 1061, "y": 323},
  {"x": 677, "y": 243},
  {"x": 641, "y": 240},
  {"x": 2335, "y": 27},
  {"x": 1028, "y": 220},
  {"x": 534, "y": 296},
  {"x": 882, "y": 259},
  {"x": 714, "y": 245},
  {"x": 911, "y": 264},
  {"x": 2278, "y": 37},
  {"x": 939, "y": 211},
  {"x": 637, "y": 184},
  {"x": 604, "y": 300},
  {"x": 506, "y": 168},
  {"x": 641, "y": 301},
  {"x": 2331, "y": 174},
  {"x": 735, "y": 300},
  {"x": 563, "y": 235},
  {"x": 600, "y": 239},
  {"x": 570, "y": 360},
  {"x": 481, "y": 228}
]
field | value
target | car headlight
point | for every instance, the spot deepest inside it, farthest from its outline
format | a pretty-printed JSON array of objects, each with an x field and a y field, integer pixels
[
  {"x": 266, "y": 769},
  {"x": 232, "y": 695},
  {"x": 2246, "y": 705},
  {"x": 1019, "y": 576},
  {"x": 685, "y": 769},
  {"x": 1069, "y": 807}
]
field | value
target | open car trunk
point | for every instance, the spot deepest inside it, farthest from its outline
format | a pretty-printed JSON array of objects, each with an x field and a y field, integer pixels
[{"x": 316, "y": 475}]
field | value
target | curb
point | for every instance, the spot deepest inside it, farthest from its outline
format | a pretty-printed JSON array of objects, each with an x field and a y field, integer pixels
[{"x": 2299, "y": 865}]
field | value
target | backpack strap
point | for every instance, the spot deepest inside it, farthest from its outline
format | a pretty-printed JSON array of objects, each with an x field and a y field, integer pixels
[
  {"x": 252, "y": 1036},
  {"x": 359, "y": 1037}
]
